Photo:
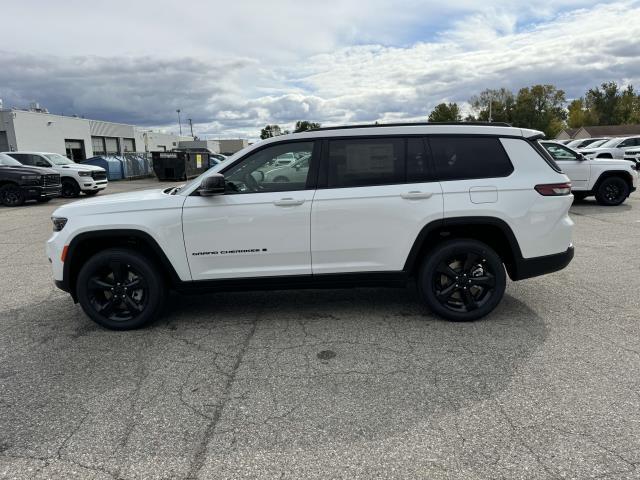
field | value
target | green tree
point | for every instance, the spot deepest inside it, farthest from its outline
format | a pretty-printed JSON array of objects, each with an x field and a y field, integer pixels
[
  {"x": 603, "y": 103},
  {"x": 270, "y": 131},
  {"x": 540, "y": 107},
  {"x": 497, "y": 103},
  {"x": 579, "y": 115},
  {"x": 445, "y": 113},
  {"x": 304, "y": 125}
]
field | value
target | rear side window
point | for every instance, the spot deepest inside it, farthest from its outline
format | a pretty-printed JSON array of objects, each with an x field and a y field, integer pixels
[
  {"x": 458, "y": 158},
  {"x": 23, "y": 158},
  {"x": 362, "y": 162}
]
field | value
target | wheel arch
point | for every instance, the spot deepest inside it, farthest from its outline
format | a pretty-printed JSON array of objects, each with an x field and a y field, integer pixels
[
  {"x": 493, "y": 231},
  {"x": 86, "y": 244},
  {"x": 626, "y": 176}
]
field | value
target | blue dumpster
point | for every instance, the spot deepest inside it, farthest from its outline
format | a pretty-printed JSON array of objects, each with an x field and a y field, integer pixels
[{"x": 112, "y": 165}]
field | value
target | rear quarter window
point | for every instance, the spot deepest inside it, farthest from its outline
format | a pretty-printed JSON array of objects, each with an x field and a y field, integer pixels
[{"x": 459, "y": 157}]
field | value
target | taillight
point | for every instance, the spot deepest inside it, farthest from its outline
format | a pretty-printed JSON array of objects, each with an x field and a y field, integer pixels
[{"x": 554, "y": 189}]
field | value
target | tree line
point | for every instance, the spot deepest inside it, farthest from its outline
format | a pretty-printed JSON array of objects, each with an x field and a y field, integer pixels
[
  {"x": 540, "y": 107},
  {"x": 545, "y": 108}
]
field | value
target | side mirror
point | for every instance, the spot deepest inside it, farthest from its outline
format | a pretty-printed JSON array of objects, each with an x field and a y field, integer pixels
[{"x": 212, "y": 185}]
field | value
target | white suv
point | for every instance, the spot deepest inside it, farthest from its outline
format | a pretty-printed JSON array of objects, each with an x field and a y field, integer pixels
[
  {"x": 610, "y": 180},
  {"x": 75, "y": 177},
  {"x": 454, "y": 207},
  {"x": 613, "y": 148}
]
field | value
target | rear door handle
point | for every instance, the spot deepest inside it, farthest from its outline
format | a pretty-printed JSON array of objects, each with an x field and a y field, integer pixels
[
  {"x": 288, "y": 202},
  {"x": 416, "y": 195}
]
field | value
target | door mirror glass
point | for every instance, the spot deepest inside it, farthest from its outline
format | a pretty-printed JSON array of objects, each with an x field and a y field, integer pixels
[{"x": 212, "y": 185}]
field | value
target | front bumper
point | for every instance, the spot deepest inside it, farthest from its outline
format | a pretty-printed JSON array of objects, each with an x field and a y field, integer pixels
[
  {"x": 533, "y": 267},
  {"x": 35, "y": 192},
  {"x": 90, "y": 184}
]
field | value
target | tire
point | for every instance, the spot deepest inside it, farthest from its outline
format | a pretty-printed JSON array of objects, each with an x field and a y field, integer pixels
[
  {"x": 70, "y": 188},
  {"x": 447, "y": 266},
  {"x": 91, "y": 193},
  {"x": 44, "y": 200},
  {"x": 579, "y": 196},
  {"x": 11, "y": 196},
  {"x": 612, "y": 191},
  {"x": 116, "y": 272}
]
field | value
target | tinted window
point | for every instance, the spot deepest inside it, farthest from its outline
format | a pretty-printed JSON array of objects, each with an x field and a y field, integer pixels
[
  {"x": 418, "y": 168},
  {"x": 23, "y": 158},
  {"x": 356, "y": 163},
  {"x": 267, "y": 171},
  {"x": 458, "y": 158}
]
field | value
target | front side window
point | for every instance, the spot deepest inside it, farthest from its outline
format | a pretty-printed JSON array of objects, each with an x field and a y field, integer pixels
[
  {"x": 459, "y": 158},
  {"x": 277, "y": 168},
  {"x": 363, "y": 162},
  {"x": 559, "y": 152}
]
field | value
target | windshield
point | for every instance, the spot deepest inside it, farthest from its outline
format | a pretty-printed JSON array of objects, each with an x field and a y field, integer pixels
[
  {"x": 58, "y": 159},
  {"x": 574, "y": 143},
  {"x": 598, "y": 143},
  {"x": 7, "y": 161},
  {"x": 611, "y": 143}
]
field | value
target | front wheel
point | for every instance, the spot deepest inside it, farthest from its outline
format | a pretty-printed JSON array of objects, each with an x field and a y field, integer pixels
[
  {"x": 462, "y": 280},
  {"x": 70, "y": 188},
  {"x": 612, "y": 191},
  {"x": 121, "y": 289},
  {"x": 11, "y": 196}
]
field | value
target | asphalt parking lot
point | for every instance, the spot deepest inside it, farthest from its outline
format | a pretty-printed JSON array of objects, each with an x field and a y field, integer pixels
[{"x": 360, "y": 383}]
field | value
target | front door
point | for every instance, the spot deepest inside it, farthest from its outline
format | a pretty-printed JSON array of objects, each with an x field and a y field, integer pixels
[
  {"x": 575, "y": 167},
  {"x": 259, "y": 227}
]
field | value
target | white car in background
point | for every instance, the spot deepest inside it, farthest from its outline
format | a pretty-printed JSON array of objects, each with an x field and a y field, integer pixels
[
  {"x": 586, "y": 142},
  {"x": 611, "y": 180},
  {"x": 295, "y": 171},
  {"x": 613, "y": 148},
  {"x": 75, "y": 177}
]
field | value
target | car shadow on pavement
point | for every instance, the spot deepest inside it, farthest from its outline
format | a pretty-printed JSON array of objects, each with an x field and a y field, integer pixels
[{"x": 280, "y": 369}]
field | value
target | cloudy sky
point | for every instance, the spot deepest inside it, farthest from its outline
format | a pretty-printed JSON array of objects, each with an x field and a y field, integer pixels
[{"x": 235, "y": 66}]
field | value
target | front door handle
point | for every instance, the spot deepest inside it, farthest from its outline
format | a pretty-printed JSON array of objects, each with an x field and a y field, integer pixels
[
  {"x": 288, "y": 202},
  {"x": 416, "y": 195}
]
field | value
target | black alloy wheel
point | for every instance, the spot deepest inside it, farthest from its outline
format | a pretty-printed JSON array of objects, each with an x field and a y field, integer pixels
[
  {"x": 612, "y": 191},
  {"x": 120, "y": 289},
  {"x": 70, "y": 189},
  {"x": 462, "y": 280},
  {"x": 11, "y": 196}
]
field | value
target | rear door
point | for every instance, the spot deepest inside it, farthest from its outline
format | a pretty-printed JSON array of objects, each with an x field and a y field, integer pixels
[
  {"x": 257, "y": 228},
  {"x": 374, "y": 196}
]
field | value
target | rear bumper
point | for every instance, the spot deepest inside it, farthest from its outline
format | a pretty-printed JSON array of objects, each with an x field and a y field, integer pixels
[{"x": 533, "y": 267}]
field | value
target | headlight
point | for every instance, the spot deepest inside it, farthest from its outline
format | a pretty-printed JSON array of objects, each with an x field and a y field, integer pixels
[
  {"x": 30, "y": 177},
  {"x": 84, "y": 174},
  {"x": 58, "y": 223}
]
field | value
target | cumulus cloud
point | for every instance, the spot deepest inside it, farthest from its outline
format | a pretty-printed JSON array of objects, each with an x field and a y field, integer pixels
[{"x": 255, "y": 63}]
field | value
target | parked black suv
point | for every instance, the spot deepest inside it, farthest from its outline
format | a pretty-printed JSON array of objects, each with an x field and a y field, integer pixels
[{"x": 19, "y": 183}]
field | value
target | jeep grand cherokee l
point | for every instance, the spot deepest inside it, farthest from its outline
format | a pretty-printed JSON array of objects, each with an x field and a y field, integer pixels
[{"x": 454, "y": 207}]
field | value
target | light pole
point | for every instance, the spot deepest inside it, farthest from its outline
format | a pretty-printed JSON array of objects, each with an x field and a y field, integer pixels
[
  {"x": 490, "y": 104},
  {"x": 191, "y": 126},
  {"x": 179, "y": 122}
]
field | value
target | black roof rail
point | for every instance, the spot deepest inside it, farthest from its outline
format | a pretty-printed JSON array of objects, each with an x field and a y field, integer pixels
[{"x": 413, "y": 124}]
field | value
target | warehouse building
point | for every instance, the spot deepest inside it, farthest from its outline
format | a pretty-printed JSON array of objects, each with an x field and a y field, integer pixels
[{"x": 80, "y": 138}]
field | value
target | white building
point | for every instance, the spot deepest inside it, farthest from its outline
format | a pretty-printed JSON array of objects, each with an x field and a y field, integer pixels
[{"x": 77, "y": 138}]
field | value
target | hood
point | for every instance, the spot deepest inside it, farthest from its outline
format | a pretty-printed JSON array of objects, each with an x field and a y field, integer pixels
[
  {"x": 81, "y": 167},
  {"x": 611, "y": 161},
  {"x": 28, "y": 170},
  {"x": 588, "y": 151},
  {"x": 121, "y": 203}
]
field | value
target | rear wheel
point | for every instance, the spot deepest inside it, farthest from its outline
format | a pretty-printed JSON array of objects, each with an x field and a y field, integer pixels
[
  {"x": 70, "y": 188},
  {"x": 612, "y": 191},
  {"x": 11, "y": 196},
  {"x": 121, "y": 289},
  {"x": 462, "y": 280}
]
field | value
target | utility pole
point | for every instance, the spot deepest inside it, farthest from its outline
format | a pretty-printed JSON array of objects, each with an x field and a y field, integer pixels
[
  {"x": 179, "y": 122},
  {"x": 191, "y": 125},
  {"x": 490, "y": 104}
]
